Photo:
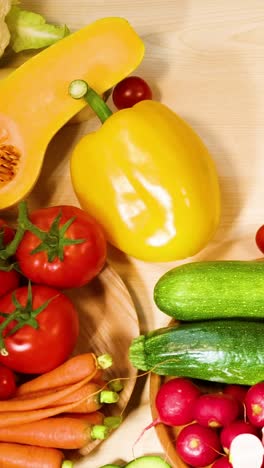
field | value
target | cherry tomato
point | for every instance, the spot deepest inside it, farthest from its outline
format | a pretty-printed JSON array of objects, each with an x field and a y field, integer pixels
[
  {"x": 9, "y": 280},
  {"x": 64, "y": 264},
  {"x": 260, "y": 238},
  {"x": 129, "y": 91},
  {"x": 49, "y": 329},
  {"x": 7, "y": 383}
]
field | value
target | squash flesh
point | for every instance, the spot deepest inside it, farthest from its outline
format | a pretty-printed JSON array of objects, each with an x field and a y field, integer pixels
[{"x": 34, "y": 98}]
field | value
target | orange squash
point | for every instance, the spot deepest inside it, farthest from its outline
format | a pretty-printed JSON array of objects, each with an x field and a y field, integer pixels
[{"x": 34, "y": 99}]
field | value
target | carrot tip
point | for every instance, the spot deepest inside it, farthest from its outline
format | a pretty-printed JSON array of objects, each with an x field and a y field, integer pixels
[
  {"x": 107, "y": 396},
  {"x": 105, "y": 361}
]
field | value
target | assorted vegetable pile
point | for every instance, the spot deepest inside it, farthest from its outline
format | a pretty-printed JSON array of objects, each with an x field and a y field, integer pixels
[
  {"x": 218, "y": 338},
  {"x": 49, "y": 401},
  {"x": 144, "y": 180}
]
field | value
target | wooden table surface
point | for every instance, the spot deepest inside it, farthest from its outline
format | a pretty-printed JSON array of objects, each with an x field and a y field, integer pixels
[{"x": 205, "y": 59}]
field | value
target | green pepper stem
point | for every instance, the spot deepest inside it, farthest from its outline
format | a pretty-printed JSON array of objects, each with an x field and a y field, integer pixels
[{"x": 80, "y": 89}]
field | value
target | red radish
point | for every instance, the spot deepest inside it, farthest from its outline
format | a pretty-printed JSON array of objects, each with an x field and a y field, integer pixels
[
  {"x": 254, "y": 402},
  {"x": 237, "y": 391},
  {"x": 197, "y": 445},
  {"x": 216, "y": 409},
  {"x": 222, "y": 462},
  {"x": 174, "y": 403},
  {"x": 235, "y": 428}
]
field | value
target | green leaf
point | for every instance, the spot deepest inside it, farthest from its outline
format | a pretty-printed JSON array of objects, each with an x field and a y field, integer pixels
[{"x": 29, "y": 30}]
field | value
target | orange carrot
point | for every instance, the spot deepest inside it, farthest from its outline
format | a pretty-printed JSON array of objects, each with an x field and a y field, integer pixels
[
  {"x": 52, "y": 398},
  {"x": 88, "y": 394},
  {"x": 24, "y": 456},
  {"x": 12, "y": 418},
  {"x": 68, "y": 373},
  {"x": 61, "y": 433},
  {"x": 99, "y": 378},
  {"x": 96, "y": 417},
  {"x": 92, "y": 403}
]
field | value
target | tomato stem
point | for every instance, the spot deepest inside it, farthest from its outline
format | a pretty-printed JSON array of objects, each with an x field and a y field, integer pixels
[
  {"x": 52, "y": 241},
  {"x": 4, "y": 324},
  {"x": 79, "y": 89}
]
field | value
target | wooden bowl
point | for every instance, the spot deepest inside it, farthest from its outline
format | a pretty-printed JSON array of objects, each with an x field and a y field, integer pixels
[
  {"x": 108, "y": 323},
  {"x": 167, "y": 435}
]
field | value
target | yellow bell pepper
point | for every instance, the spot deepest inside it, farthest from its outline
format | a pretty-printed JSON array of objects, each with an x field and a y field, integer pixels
[{"x": 147, "y": 177}]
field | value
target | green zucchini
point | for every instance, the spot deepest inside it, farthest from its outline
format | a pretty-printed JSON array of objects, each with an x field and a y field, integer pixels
[
  {"x": 212, "y": 290},
  {"x": 225, "y": 351}
]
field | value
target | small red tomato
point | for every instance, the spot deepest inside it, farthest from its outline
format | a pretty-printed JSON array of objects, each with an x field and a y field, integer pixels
[
  {"x": 9, "y": 280},
  {"x": 260, "y": 238},
  {"x": 130, "y": 91},
  {"x": 7, "y": 383}
]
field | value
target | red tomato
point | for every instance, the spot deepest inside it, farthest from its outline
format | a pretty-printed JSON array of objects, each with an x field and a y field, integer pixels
[
  {"x": 69, "y": 265},
  {"x": 9, "y": 280},
  {"x": 41, "y": 349},
  {"x": 7, "y": 383},
  {"x": 129, "y": 91},
  {"x": 260, "y": 238}
]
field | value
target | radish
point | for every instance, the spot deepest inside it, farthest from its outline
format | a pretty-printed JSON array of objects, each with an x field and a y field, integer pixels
[
  {"x": 235, "y": 428},
  {"x": 197, "y": 445},
  {"x": 246, "y": 451},
  {"x": 254, "y": 402},
  {"x": 239, "y": 393},
  {"x": 216, "y": 409},
  {"x": 174, "y": 402},
  {"x": 222, "y": 462}
]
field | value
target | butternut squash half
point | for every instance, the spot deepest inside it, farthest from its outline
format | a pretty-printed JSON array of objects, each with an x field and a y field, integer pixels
[{"x": 34, "y": 99}]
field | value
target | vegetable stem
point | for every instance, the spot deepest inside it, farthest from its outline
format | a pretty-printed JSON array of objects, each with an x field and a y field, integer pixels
[
  {"x": 107, "y": 396},
  {"x": 105, "y": 361},
  {"x": 67, "y": 464},
  {"x": 99, "y": 431},
  {"x": 79, "y": 89}
]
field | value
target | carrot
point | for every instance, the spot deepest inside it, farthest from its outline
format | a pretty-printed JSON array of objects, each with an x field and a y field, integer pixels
[
  {"x": 68, "y": 373},
  {"x": 61, "y": 433},
  {"x": 99, "y": 378},
  {"x": 96, "y": 417},
  {"x": 23, "y": 456},
  {"x": 88, "y": 394},
  {"x": 89, "y": 404},
  {"x": 51, "y": 398},
  {"x": 13, "y": 418}
]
